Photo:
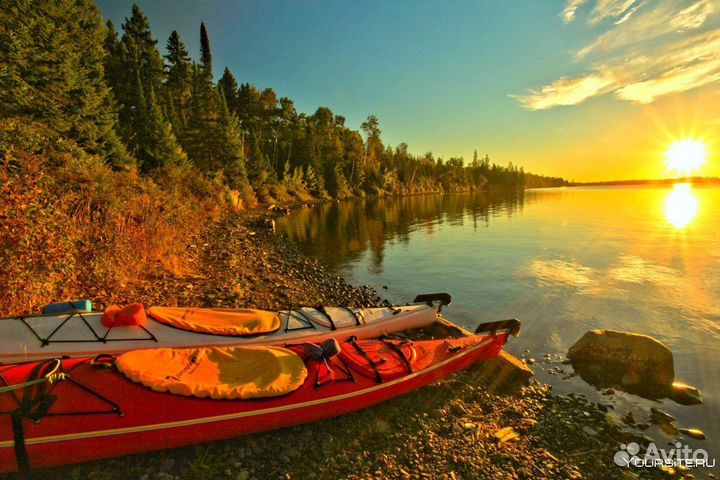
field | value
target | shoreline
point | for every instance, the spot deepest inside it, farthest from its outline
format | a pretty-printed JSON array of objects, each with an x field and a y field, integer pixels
[{"x": 445, "y": 431}]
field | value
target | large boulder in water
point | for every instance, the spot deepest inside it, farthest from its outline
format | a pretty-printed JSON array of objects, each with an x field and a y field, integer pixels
[{"x": 637, "y": 363}]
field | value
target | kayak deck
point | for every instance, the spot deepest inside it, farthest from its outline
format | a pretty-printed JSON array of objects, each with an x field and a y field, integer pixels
[{"x": 83, "y": 334}]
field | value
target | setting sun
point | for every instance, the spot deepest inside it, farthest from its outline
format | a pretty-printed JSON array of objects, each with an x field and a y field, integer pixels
[{"x": 686, "y": 156}]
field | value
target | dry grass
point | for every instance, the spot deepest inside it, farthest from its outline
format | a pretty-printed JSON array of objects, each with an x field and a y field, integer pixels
[{"x": 71, "y": 226}]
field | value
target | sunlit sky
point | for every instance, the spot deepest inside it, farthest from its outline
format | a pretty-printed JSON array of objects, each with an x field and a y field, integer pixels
[{"x": 584, "y": 89}]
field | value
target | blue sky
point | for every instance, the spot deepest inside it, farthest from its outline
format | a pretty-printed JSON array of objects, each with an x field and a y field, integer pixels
[{"x": 544, "y": 84}]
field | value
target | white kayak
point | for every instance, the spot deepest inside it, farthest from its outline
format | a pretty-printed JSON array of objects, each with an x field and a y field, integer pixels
[{"x": 82, "y": 333}]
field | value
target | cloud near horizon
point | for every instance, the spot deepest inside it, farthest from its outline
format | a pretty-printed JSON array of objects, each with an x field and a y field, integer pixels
[{"x": 624, "y": 59}]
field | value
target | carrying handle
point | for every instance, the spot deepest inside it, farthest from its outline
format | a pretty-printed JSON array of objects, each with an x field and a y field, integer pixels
[
  {"x": 431, "y": 299},
  {"x": 511, "y": 326},
  {"x": 54, "y": 375}
]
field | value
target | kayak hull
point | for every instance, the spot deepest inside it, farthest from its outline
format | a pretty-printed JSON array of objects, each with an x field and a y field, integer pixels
[{"x": 154, "y": 421}]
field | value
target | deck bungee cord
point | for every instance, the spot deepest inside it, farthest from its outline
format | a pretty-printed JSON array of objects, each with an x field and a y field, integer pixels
[{"x": 44, "y": 341}]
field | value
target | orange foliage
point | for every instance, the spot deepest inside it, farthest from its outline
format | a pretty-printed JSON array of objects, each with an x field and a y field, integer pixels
[{"x": 72, "y": 227}]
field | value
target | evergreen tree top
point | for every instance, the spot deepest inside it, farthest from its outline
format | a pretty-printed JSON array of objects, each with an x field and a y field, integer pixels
[
  {"x": 205, "y": 53},
  {"x": 176, "y": 49},
  {"x": 178, "y": 60}
]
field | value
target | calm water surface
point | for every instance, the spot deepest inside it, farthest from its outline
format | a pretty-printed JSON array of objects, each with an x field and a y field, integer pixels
[{"x": 563, "y": 261}]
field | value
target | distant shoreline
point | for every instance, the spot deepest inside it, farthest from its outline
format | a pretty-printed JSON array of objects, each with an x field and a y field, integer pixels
[{"x": 665, "y": 181}]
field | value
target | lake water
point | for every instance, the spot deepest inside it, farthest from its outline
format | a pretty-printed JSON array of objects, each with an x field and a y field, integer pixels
[{"x": 563, "y": 261}]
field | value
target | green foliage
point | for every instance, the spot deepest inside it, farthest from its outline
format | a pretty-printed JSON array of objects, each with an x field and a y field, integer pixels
[
  {"x": 51, "y": 70},
  {"x": 229, "y": 88},
  {"x": 313, "y": 183},
  {"x": 205, "y": 54},
  {"x": 178, "y": 82},
  {"x": 200, "y": 137},
  {"x": 135, "y": 71},
  {"x": 232, "y": 155},
  {"x": 80, "y": 108},
  {"x": 88, "y": 84}
]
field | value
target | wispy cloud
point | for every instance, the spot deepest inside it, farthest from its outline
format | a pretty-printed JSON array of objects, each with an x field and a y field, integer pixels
[
  {"x": 651, "y": 48},
  {"x": 566, "y": 91},
  {"x": 570, "y": 10},
  {"x": 693, "y": 16},
  {"x": 611, "y": 9},
  {"x": 629, "y": 14}
]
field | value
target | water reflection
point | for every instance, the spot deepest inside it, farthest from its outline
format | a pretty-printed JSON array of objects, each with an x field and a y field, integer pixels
[
  {"x": 564, "y": 261},
  {"x": 681, "y": 206},
  {"x": 340, "y": 233}
]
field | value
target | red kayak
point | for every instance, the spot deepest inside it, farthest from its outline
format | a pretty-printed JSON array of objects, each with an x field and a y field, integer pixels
[{"x": 57, "y": 412}]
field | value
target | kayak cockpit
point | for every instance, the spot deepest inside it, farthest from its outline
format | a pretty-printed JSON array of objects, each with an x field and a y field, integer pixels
[
  {"x": 218, "y": 321},
  {"x": 231, "y": 373}
]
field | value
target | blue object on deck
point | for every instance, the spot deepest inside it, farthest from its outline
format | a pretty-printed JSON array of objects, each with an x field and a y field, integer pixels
[{"x": 82, "y": 305}]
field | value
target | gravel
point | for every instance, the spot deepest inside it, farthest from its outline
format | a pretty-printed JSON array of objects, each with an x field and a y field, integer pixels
[{"x": 443, "y": 431}]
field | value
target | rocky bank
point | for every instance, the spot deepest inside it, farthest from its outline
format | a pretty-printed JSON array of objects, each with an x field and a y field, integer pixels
[{"x": 458, "y": 428}]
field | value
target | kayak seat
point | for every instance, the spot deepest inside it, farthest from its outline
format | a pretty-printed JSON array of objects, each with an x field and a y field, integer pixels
[
  {"x": 218, "y": 321},
  {"x": 216, "y": 372},
  {"x": 382, "y": 360}
]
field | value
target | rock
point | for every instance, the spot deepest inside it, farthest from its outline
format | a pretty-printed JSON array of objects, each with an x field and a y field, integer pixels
[
  {"x": 167, "y": 464},
  {"x": 658, "y": 416},
  {"x": 506, "y": 434},
  {"x": 645, "y": 440},
  {"x": 684, "y": 394},
  {"x": 638, "y": 363},
  {"x": 695, "y": 433},
  {"x": 243, "y": 475},
  {"x": 629, "y": 418},
  {"x": 669, "y": 471},
  {"x": 589, "y": 431},
  {"x": 668, "y": 429}
]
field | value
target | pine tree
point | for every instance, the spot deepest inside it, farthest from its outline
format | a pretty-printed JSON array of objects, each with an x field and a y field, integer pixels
[
  {"x": 178, "y": 82},
  {"x": 229, "y": 87},
  {"x": 233, "y": 157},
  {"x": 260, "y": 171},
  {"x": 212, "y": 137},
  {"x": 113, "y": 58},
  {"x": 203, "y": 138},
  {"x": 160, "y": 143},
  {"x": 51, "y": 70},
  {"x": 314, "y": 183},
  {"x": 138, "y": 78},
  {"x": 205, "y": 54}
]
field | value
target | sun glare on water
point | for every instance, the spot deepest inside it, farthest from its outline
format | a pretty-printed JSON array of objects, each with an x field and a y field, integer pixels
[
  {"x": 685, "y": 156},
  {"x": 681, "y": 206}
]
